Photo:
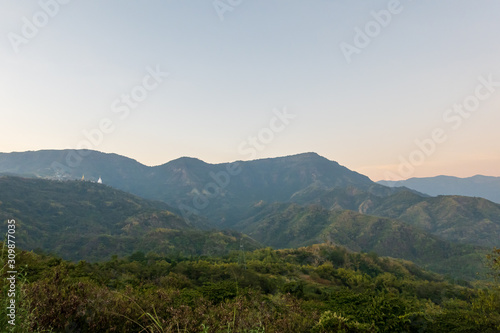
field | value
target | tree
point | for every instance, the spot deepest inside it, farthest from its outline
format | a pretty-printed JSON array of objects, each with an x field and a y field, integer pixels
[{"x": 494, "y": 263}]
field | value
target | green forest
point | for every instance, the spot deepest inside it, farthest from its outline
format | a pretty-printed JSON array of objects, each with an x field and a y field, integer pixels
[{"x": 320, "y": 288}]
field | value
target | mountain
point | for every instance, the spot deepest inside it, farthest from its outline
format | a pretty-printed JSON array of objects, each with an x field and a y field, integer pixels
[
  {"x": 116, "y": 170},
  {"x": 221, "y": 192},
  {"x": 476, "y": 186},
  {"x": 456, "y": 218},
  {"x": 83, "y": 220},
  {"x": 226, "y": 194},
  {"x": 299, "y": 170},
  {"x": 283, "y": 225}
]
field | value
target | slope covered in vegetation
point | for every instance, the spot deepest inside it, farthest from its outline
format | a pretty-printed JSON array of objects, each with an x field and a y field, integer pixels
[
  {"x": 82, "y": 220},
  {"x": 291, "y": 225},
  {"x": 314, "y": 289}
]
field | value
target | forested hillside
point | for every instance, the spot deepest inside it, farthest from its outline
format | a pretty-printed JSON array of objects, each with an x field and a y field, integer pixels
[
  {"x": 313, "y": 289},
  {"x": 80, "y": 220},
  {"x": 292, "y": 225}
]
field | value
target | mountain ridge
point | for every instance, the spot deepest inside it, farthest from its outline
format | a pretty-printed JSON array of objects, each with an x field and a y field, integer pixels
[
  {"x": 190, "y": 181},
  {"x": 487, "y": 187}
]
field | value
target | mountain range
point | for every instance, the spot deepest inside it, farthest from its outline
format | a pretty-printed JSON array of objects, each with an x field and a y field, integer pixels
[
  {"x": 477, "y": 186},
  {"x": 191, "y": 184},
  {"x": 282, "y": 202}
]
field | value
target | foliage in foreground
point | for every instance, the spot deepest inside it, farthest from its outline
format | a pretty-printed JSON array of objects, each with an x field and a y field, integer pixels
[{"x": 315, "y": 289}]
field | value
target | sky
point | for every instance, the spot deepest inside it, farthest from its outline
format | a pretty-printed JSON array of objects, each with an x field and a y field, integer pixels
[{"x": 391, "y": 89}]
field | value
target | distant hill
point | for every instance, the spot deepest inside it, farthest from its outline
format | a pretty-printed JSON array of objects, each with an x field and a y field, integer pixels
[
  {"x": 455, "y": 218},
  {"x": 476, "y": 186},
  {"x": 291, "y": 226},
  {"x": 83, "y": 220}
]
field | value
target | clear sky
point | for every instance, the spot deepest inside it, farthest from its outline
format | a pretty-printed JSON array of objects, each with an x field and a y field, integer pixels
[{"x": 391, "y": 89}]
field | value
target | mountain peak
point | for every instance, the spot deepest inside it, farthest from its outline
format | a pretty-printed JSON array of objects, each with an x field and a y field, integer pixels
[
  {"x": 188, "y": 159},
  {"x": 308, "y": 155},
  {"x": 185, "y": 161},
  {"x": 301, "y": 157}
]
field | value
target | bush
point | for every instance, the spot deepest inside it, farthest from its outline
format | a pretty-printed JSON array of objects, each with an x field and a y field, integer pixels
[{"x": 332, "y": 322}]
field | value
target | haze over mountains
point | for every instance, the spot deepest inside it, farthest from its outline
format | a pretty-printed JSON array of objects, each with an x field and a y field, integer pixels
[
  {"x": 282, "y": 202},
  {"x": 477, "y": 186}
]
